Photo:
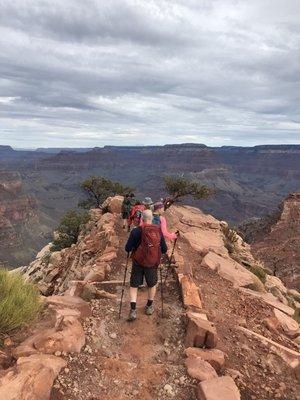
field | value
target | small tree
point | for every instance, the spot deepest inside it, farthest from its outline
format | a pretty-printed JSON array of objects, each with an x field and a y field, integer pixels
[
  {"x": 69, "y": 229},
  {"x": 179, "y": 187},
  {"x": 97, "y": 189}
]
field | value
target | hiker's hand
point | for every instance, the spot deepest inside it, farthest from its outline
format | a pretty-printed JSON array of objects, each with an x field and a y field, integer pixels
[{"x": 177, "y": 233}]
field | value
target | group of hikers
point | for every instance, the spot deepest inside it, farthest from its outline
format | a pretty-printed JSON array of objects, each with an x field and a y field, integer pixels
[{"x": 146, "y": 244}]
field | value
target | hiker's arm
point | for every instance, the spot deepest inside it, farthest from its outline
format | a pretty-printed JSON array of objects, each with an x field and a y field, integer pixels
[
  {"x": 163, "y": 245},
  {"x": 133, "y": 240},
  {"x": 163, "y": 226}
]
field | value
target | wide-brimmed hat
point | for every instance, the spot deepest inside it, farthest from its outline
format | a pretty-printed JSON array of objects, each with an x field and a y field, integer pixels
[
  {"x": 158, "y": 205},
  {"x": 147, "y": 201}
]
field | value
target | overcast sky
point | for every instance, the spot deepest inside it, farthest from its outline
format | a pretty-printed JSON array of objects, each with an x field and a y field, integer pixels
[{"x": 88, "y": 73}]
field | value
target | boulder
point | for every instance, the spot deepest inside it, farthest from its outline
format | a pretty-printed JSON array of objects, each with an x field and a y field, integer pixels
[
  {"x": 97, "y": 273},
  {"x": 222, "y": 388},
  {"x": 72, "y": 302},
  {"x": 288, "y": 324},
  {"x": 67, "y": 336},
  {"x": 199, "y": 369},
  {"x": 200, "y": 332},
  {"x": 113, "y": 204},
  {"x": 232, "y": 271},
  {"x": 274, "y": 282},
  {"x": 190, "y": 292},
  {"x": 31, "y": 378},
  {"x": 107, "y": 257},
  {"x": 214, "y": 357}
]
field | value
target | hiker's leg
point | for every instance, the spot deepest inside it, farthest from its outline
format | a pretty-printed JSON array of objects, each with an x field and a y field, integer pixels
[
  {"x": 136, "y": 280},
  {"x": 151, "y": 293},
  {"x": 151, "y": 279},
  {"x": 133, "y": 294}
]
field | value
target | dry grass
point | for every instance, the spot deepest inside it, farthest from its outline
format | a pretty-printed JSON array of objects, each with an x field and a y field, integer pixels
[{"x": 19, "y": 301}]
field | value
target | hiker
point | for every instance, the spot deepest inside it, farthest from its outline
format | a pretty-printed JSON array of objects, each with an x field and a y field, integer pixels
[
  {"x": 148, "y": 203},
  {"x": 160, "y": 220},
  {"x": 147, "y": 245},
  {"x": 125, "y": 210},
  {"x": 132, "y": 199},
  {"x": 135, "y": 214}
]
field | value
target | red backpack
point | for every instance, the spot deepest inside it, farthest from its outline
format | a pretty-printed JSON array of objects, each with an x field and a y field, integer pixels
[
  {"x": 136, "y": 214},
  {"x": 148, "y": 254}
]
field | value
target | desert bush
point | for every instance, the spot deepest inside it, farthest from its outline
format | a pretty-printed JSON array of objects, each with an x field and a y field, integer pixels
[
  {"x": 97, "y": 189},
  {"x": 230, "y": 238},
  {"x": 180, "y": 187},
  {"x": 68, "y": 229},
  {"x": 258, "y": 271},
  {"x": 19, "y": 301}
]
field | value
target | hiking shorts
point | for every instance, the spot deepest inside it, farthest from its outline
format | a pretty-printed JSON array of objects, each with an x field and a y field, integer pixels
[{"x": 138, "y": 273}]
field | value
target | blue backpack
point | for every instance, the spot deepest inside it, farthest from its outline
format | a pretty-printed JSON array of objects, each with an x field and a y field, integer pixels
[{"x": 156, "y": 220}]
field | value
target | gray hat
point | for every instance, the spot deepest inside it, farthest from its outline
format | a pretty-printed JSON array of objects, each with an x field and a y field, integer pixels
[{"x": 148, "y": 201}]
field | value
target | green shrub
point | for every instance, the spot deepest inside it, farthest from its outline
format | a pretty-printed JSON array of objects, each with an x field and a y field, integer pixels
[
  {"x": 297, "y": 315},
  {"x": 258, "y": 271},
  {"x": 230, "y": 239},
  {"x": 69, "y": 229},
  {"x": 19, "y": 301}
]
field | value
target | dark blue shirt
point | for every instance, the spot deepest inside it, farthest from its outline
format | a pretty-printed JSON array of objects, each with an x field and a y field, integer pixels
[{"x": 135, "y": 238}]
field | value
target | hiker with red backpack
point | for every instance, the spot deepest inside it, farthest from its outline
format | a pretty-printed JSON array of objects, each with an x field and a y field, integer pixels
[{"x": 147, "y": 245}]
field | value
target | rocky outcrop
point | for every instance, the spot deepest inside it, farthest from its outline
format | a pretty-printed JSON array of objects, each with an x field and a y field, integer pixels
[
  {"x": 32, "y": 378},
  {"x": 67, "y": 273},
  {"x": 275, "y": 240},
  {"x": 88, "y": 260}
]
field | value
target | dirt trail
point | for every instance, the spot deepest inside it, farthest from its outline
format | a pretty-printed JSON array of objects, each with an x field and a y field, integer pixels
[{"x": 139, "y": 360}]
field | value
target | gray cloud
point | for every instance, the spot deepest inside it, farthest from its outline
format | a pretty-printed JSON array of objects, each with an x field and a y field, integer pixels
[{"x": 135, "y": 71}]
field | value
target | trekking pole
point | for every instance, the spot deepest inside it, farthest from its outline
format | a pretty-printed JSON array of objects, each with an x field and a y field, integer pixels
[
  {"x": 171, "y": 256},
  {"x": 123, "y": 288},
  {"x": 161, "y": 293}
]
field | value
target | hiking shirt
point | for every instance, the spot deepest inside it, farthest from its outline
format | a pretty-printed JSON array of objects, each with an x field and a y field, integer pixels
[
  {"x": 163, "y": 227},
  {"x": 135, "y": 238}
]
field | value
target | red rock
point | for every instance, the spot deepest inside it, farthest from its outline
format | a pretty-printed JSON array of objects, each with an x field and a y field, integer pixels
[
  {"x": 232, "y": 271},
  {"x": 31, "y": 379},
  {"x": 288, "y": 324},
  {"x": 97, "y": 273},
  {"x": 190, "y": 292},
  {"x": 113, "y": 204},
  {"x": 214, "y": 357},
  {"x": 67, "y": 336},
  {"x": 200, "y": 333},
  {"x": 72, "y": 302},
  {"x": 107, "y": 257},
  {"x": 199, "y": 369},
  {"x": 222, "y": 388}
]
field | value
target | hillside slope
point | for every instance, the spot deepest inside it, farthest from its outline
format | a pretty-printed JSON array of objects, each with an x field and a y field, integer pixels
[
  {"x": 223, "y": 330},
  {"x": 275, "y": 240}
]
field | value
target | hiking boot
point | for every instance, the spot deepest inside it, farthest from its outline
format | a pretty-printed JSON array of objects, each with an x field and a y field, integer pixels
[
  {"x": 149, "y": 310},
  {"x": 131, "y": 316}
]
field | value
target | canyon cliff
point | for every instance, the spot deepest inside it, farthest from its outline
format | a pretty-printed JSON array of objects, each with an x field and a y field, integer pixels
[
  {"x": 21, "y": 231},
  {"x": 275, "y": 240}
]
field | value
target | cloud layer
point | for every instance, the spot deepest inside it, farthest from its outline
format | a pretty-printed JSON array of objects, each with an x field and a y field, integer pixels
[{"x": 76, "y": 73}]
